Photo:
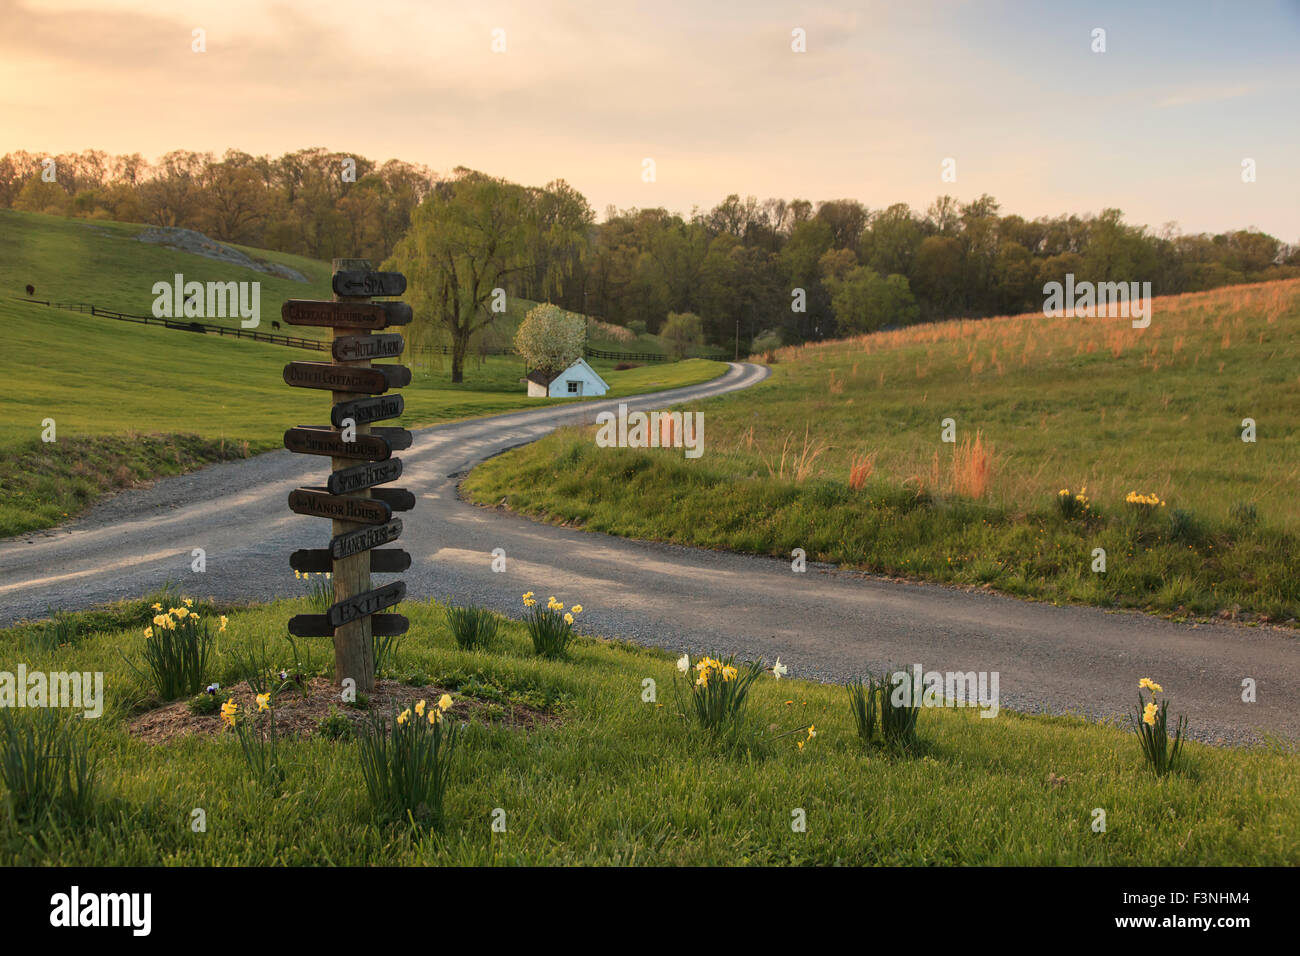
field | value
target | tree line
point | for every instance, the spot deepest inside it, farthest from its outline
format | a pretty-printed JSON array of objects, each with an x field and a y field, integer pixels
[{"x": 764, "y": 273}]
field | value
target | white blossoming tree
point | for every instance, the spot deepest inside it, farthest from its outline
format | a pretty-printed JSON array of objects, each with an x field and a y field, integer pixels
[{"x": 551, "y": 339}]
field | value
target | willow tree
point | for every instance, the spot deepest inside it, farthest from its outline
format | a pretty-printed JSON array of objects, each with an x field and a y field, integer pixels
[{"x": 476, "y": 234}]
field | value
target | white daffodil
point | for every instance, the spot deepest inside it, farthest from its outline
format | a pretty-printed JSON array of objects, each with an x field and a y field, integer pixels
[
  {"x": 684, "y": 663},
  {"x": 779, "y": 670}
]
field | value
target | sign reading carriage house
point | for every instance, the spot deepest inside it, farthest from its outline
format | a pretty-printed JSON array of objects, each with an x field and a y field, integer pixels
[{"x": 578, "y": 379}]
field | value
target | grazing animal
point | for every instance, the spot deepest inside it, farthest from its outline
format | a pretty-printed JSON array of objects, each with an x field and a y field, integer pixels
[
  {"x": 31, "y": 290},
  {"x": 275, "y": 325}
]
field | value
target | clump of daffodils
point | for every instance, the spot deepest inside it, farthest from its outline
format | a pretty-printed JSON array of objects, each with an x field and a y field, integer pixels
[
  {"x": 715, "y": 697},
  {"x": 551, "y": 627},
  {"x": 1074, "y": 505},
  {"x": 1143, "y": 503},
  {"x": 177, "y": 644},
  {"x": 406, "y": 761},
  {"x": 1162, "y": 754}
]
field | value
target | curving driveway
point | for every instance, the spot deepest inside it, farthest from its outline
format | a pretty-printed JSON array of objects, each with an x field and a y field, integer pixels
[{"x": 825, "y": 624}]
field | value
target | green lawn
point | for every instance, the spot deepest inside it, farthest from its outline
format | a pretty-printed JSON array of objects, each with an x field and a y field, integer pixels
[
  {"x": 101, "y": 379},
  {"x": 101, "y": 263},
  {"x": 1055, "y": 403},
  {"x": 613, "y": 780}
]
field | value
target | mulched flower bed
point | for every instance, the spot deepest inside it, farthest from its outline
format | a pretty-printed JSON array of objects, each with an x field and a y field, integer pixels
[{"x": 299, "y": 716}]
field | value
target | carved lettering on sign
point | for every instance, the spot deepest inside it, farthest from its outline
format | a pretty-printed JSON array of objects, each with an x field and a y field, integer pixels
[
  {"x": 363, "y": 411},
  {"x": 346, "y": 315},
  {"x": 318, "y": 440},
  {"x": 364, "y": 476},
  {"x": 366, "y": 603},
  {"x": 347, "y": 378},
  {"x": 354, "y": 542},
  {"x": 358, "y": 283},
  {"x": 321, "y": 504},
  {"x": 354, "y": 348}
]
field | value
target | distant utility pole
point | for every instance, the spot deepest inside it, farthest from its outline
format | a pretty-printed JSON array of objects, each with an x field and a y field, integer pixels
[{"x": 737, "y": 339}]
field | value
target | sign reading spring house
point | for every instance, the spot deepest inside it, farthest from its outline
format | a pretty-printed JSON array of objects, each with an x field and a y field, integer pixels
[
  {"x": 361, "y": 513},
  {"x": 651, "y": 430}
]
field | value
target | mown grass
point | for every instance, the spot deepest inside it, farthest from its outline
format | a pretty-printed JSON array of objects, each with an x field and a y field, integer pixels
[
  {"x": 620, "y": 781},
  {"x": 42, "y": 485},
  {"x": 115, "y": 382},
  {"x": 102, "y": 263},
  {"x": 1067, "y": 403}
]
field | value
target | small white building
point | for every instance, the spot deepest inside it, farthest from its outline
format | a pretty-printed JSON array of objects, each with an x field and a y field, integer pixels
[{"x": 579, "y": 379}]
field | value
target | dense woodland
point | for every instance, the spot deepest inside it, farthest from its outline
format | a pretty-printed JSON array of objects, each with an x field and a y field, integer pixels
[{"x": 735, "y": 267}]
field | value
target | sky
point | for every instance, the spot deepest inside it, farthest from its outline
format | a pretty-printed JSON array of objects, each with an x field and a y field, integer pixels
[{"x": 1158, "y": 125}]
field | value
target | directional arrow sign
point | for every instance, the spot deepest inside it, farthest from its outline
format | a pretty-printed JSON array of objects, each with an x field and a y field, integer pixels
[
  {"x": 347, "y": 378},
  {"x": 346, "y": 315},
  {"x": 363, "y": 411},
  {"x": 320, "y": 440},
  {"x": 354, "y": 542},
  {"x": 354, "y": 348},
  {"x": 382, "y": 561},
  {"x": 364, "y": 476},
  {"x": 369, "y": 283},
  {"x": 321, "y": 504},
  {"x": 366, "y": 603},
  {"x": 318, "y": 625}
]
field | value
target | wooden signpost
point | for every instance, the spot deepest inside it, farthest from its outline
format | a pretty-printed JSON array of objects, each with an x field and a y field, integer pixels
[{"x": 361, "y": 513}]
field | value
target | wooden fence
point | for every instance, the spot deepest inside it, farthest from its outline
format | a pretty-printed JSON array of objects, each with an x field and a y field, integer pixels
[
  {"x": 293, "y": 341},
  {"x": 317, "y": 345}
]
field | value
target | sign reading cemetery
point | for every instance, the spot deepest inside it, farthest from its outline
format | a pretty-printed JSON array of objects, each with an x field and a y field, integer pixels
[{"x": 360, "y": 513}]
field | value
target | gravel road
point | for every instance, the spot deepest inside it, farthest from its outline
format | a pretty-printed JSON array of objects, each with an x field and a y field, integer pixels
[{"x": 824, "y": 624}]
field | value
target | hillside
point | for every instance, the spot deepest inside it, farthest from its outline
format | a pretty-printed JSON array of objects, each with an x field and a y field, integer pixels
[
  {"x": 1039, "y": 405},
  {"x": 110, "y": 385}
]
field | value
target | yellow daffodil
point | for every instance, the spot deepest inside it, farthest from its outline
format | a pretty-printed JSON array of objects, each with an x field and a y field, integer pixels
[
  {"x": 435, "y": 715},
  {"x": 404, "y": 716},
  {"x": 419, "y": 709},
  {"x": 157, "y": 607},
  {"x": 527, "y": 595},
  {"x": 568, "y": 618},
  {"x": 263, "y": 702},
  {"x": 148, "y": 632},
  {"x": 159, "y": 618},
  {"x": 223, "y": 623},
  {"x": 1149, "y": 715},
  {"x": 444, "y": 702},
  {"x": 576, "y": 609},
  {"x": 228, "y": 711},
  {"x": 728, "y": 672},
  {"x": 1150, "y": 685},
  {"x": 189, "y": 602}
]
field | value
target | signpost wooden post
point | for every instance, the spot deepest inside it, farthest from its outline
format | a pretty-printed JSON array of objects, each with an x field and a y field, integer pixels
[{"x": 362, "y": 514}]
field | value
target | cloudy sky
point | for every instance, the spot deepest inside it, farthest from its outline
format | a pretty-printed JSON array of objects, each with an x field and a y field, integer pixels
[{"x": 1157, "y": 125}]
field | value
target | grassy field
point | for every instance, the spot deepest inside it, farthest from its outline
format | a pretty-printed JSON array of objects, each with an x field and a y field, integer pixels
[
  {"x": 840, "y": 454},
  {"x": 602, "y": 777},
  {"x": 117, "y": 382},
  {"x": 101, "y": 263},
  {"x": 131, "y": 402}
]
